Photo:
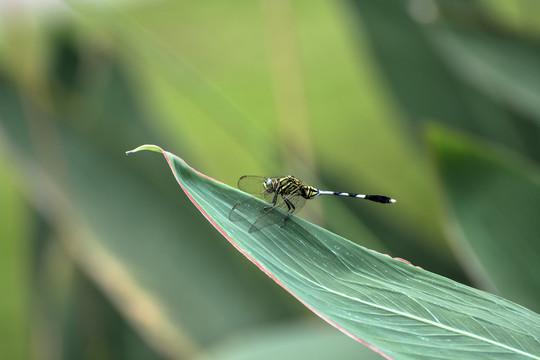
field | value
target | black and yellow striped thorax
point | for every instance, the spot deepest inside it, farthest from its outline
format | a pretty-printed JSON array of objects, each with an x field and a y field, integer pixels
[{"x": 290, "y": 186}]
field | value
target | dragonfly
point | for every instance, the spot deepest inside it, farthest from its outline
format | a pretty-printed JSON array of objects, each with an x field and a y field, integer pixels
[{"x": 289, "y": 194}]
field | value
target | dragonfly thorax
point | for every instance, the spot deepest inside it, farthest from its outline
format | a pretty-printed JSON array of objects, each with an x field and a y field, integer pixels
[{"x": 290, "y": 187}]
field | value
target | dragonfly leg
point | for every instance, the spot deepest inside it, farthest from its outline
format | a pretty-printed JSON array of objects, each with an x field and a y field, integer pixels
[
  {"x": 274, "y": 200},
  {"x": 290, "y": 206},
  {"x": 290, "y": 210}
]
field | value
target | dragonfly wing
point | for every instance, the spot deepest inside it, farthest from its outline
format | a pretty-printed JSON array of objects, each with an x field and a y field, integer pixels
[
  {"x": 291, "y": 203},
  {"x": 252, "y": 184},
  {"x": 256, "y": 215},
  {"x": 273, "y": 215}
]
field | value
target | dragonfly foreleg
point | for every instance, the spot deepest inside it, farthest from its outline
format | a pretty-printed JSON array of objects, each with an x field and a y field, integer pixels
[{"x": 274, "y": 200}]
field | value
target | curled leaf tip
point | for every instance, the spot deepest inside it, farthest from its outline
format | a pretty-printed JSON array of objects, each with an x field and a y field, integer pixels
[{"x": 145, "y": 147}]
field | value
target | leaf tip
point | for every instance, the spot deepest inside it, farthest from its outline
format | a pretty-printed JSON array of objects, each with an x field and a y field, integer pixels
[{"x": 145, "y": 147}]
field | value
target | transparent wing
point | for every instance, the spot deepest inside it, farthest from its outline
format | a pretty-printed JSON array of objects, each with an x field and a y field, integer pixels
[
  {"x": 272, "y": 214},
  {"x": 252, "y": 184},
  {"x": 255, "y": 215},
  {"x": 291, "y": 203}
]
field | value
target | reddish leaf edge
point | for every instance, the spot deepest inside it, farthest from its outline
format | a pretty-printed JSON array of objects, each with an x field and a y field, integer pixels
[{"x": 167, "y": 154}]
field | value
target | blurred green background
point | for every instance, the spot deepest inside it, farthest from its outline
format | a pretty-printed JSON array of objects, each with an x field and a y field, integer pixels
[{"x": 434, "y": 103}]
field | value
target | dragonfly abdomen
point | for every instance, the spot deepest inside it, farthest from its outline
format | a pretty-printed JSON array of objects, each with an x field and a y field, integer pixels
[{"x": 376, "y": 198}]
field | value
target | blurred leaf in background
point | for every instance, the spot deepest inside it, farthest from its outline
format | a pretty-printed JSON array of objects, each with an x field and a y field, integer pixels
[{"x": 336, "y": 93}]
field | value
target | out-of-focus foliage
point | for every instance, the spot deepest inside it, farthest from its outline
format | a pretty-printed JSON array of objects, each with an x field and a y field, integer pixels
[{"x": 337, "y": 93}]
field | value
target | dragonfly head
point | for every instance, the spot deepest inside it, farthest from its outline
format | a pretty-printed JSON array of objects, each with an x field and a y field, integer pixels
[{"x": 269, "y": 184}]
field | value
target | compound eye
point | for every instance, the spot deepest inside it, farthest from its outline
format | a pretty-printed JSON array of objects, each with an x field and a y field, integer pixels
[{"x": 268, "y": 183}]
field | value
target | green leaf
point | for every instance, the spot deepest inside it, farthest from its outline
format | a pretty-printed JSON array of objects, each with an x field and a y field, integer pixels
[
  {"x": 495, "y": 198},
  {"x": 483, "y": 60},
  {"x": 397, "y": 309},
  {"x": 460, "y": 78}
]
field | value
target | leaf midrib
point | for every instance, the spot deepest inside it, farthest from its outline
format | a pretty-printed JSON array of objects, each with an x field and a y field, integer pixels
[{"x": 420, "y": 319}]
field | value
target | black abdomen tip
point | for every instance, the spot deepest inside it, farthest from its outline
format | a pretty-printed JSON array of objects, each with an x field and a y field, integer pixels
[{"x": 380, "y": 199}]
